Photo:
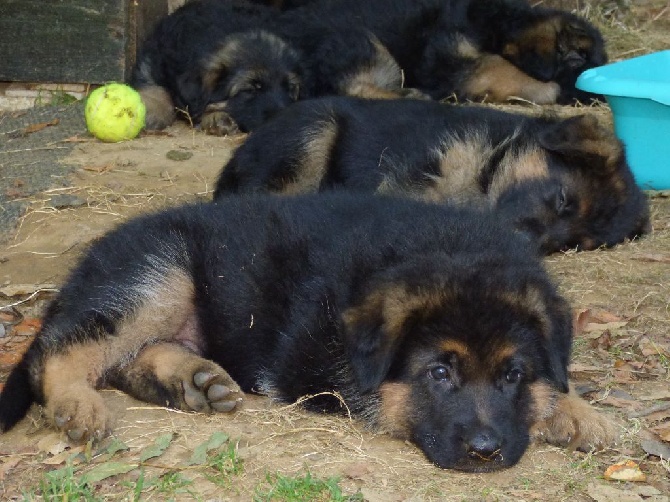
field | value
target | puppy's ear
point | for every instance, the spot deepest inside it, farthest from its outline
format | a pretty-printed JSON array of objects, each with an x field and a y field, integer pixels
[
  {"x": 560, "y": 342},
  {"x": 374, "y": 329},
  {"x": 554, "y": 315},
  {"x": 582, "y": 140}
]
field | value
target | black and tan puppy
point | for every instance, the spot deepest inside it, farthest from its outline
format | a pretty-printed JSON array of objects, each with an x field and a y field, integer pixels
[
  {"x": 565, "y": 182},
  {"x": 434, "y": 324},
  {"x": 231, "y": 64},
  {"x": 468, "y": 49},
  {"x": 212, "y": 62}
]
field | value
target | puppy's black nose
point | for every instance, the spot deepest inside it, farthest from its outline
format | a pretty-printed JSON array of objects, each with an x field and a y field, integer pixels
[{"x": 484, "y": 444}]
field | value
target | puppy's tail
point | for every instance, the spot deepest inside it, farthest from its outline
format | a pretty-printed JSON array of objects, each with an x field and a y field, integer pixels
[{"x": 16, "y": 397}]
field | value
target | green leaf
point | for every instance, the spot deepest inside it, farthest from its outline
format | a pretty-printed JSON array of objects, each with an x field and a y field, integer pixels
[
  {"x": 155, "y": 450},
  {"x": 106, "y": 470},
  {"x": 215, "y": 441},
  {"x": 115, "y": 446}
]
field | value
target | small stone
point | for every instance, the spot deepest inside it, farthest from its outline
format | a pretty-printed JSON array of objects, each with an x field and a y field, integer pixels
[
  {"x": 179, "y": 155},
  {"x": 64, "y": 200}
]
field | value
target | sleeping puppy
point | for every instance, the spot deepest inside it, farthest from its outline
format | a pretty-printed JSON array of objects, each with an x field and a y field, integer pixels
[
  {"x": 436, "y": 325},
  {"x": 565, "y": 182},
  {"x": 468, "y": 49},
  {"x": 211, "y": 62}
]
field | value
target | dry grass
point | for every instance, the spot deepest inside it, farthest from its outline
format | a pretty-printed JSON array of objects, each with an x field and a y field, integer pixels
[{"x": 625, "y": 281}]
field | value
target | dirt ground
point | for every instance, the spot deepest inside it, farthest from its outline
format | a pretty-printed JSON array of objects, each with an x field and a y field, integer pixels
[{"x": 621, "y": 363}]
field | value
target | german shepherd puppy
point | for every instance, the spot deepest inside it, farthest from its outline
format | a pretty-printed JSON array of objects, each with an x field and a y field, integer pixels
[
  {"x": 211, "y": 61},
  {"x": 468, "y": 49},
  {"x": 564, "y": 182},
  {"x": 437, "y": 325},
  {"x": 230, "y": 65}
]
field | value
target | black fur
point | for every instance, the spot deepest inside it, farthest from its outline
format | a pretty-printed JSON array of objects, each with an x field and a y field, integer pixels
[
  {"x": 424, "y": 37},
  {"x": 586, "y": 198},
  {"x": 177, "y": 57},
  {"x": 372, "y": 48},
  {"x": 331, "y": 293}
]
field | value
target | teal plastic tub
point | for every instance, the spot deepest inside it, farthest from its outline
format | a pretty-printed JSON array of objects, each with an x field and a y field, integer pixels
[{"x": 638, "y": 92}]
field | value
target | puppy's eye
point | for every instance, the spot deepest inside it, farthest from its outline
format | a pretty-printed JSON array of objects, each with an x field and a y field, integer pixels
[
  {"x": 439, "y": 373},
  {"x": 514, "y": 375},
  {"x": 256, "y": 85},
  {"x": 294, "y": 91},
  {"x": 562, "y": 204}
]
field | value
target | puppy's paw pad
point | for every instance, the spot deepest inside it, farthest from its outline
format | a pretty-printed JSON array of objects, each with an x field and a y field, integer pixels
[{"x": 211, "y": 392}]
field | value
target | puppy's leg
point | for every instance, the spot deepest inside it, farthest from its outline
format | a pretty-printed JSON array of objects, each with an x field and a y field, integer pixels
[
  {"x": 498, "y": 80},
  {"x": 80, "y": 348},
  {"x": 71, "y": 401},
  {"x": 575, "y": 424},
  {"x": 171, "y": 375},
  {"x": 160, "y": 109},
  {"x": 375, "y": 74}
]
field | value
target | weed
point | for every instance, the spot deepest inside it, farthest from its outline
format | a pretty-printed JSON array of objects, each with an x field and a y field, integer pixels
[
  {"x": 54, "y": 98},
  {"x": 226, "y": 463},
  {"x": 525, "y": 483},
  {"x": 303, "y": 488},
  {"x": 588, "y": 462},
  {"x": 173, "y": 483},
  {"x": 62, "y": 484}
]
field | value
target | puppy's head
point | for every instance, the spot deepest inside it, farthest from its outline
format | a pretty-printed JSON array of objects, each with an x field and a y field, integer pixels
[
  {"x": 465, "y": 354},
  {"x": 252, "y": 76},
  {"x": 556, "y": 46},
  {"x": 587, "y": 197}
]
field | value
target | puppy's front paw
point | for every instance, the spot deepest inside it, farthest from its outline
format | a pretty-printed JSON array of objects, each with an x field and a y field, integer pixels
[
  {"x": 542, "y": 93},
  {"x": 218, "y": 123},
  {"x": 576, "y": 424}
]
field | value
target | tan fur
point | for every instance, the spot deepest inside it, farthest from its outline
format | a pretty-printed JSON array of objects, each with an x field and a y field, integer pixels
[
  {"x": 398, "y": 304},
  {"x": 216, "y": 121},
  {"x": 466, "y": 49},
  {"x": 394, "y": 409},
  {"x": 174, "y": 366},
  {"x": 576, "y": 424},
  {"x": 517, "y": 167},
  {"x": 544, "y": 398},
  {"x": 595, "y": 139},
  {"x": 539, "y": 38},
  {"x": 381, "y": 79},
  {"x": 314, "y": 159},
  {"x": 68, "y": 385},
  {"x": 500, "y": 356},
  {"x": 460, "y": 163},
  {"x": 70, "y": 377},
  {"x": 393, "y": 304},
  {"x": 160, "y": 109},
  {"x": 496, "y": 79},
  {"x": 227, "y": 56},
  {"x": 461, "y": 349},
  {"x": 532, "y": 301}
]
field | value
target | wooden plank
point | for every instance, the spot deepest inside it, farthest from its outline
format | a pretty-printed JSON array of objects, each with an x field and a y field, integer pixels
[{"x": 90, "y": 41}]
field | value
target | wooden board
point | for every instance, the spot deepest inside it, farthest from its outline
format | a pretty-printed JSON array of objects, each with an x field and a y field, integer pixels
[{"x": 88, "y": 41}]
